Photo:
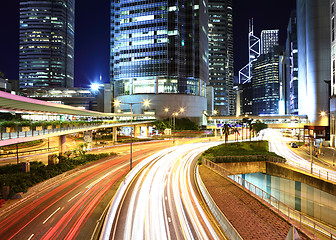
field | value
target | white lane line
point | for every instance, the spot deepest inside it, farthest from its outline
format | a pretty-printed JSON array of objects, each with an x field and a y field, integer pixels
[
  {"x": 169, "y": 219},
  {"x": 51, "y": 215},
  {"x": 74, "y": 196},
  {"x": 31, "y": 236}
]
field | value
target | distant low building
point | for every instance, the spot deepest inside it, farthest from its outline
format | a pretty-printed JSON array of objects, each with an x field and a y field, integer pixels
[{"x": 85, "y": 98}]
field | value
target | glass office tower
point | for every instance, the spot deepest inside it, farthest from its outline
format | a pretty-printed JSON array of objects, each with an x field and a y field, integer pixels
[
  {"x": 159, "y": 51},
  {"x": 221, "y": 55},
  {"x": 265, "y": 82},
  {"x": 46, "y": 43}
]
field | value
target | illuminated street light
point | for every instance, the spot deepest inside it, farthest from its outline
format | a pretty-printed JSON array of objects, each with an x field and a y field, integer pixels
[
  {"x": 144, "y": 103},
  {"x": 95, "y": 87}
]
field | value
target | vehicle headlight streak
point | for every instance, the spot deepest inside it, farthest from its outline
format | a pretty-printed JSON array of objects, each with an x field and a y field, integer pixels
[
  {"x": 278, "y": 145},
  {"x": 163, "y": 203}
]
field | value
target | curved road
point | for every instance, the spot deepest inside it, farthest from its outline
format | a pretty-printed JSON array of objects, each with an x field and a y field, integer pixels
[
  {"x": 71, "y": 205},
  {"x": 162, "y": 202},
  {"x": 277, "y": 144}
]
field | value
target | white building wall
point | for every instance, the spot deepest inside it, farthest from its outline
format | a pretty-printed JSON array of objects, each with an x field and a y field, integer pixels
[{"x": 313, "y": 59}]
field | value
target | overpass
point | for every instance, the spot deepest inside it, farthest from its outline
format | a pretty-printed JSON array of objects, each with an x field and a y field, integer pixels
[
  {"x": 41, "y": 111},
  {"x": 273, "y": 121}
]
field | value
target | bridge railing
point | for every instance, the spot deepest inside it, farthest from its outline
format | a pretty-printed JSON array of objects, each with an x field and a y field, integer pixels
[
  {"x": 276, "y": 203},
  {"x": 20, "y": 132}
]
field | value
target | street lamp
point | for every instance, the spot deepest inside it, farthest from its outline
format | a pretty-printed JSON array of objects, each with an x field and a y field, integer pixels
[{"x": 144, "y": 103}]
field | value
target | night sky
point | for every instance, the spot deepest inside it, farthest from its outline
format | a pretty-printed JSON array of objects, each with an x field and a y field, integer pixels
[{"x": 92, "y": 34}]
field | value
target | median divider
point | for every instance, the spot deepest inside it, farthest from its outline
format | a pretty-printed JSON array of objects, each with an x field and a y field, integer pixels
[{"x": 225, "y": 224}]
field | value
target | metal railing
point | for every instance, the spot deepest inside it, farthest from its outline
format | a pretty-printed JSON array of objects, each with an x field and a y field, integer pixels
[
  {"x": 13, "y": 152},
  {"x": 45, "y": 130},
  {"x": 277, "y": 204},
  {"x": 320, "y": 173}
]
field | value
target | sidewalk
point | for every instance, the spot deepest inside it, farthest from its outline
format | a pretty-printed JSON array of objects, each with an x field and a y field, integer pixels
[
  {"x": 325, "y": 158},
  {"x": 251, "y": 218}
]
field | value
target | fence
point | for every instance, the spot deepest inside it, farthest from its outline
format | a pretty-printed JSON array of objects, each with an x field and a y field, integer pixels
[
  {"x": 318, "y": 172},
  {"x": 44, "y": 130},
  {"x": 280, "y": 206},
  {"x": 7, "y": 154}
]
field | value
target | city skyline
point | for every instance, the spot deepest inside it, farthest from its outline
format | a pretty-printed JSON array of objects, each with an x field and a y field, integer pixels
[{"x": 92, "y": 35}]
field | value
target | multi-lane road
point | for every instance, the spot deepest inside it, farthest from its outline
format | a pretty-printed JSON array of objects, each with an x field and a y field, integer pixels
[
  {"x": 72, "y": 205},
  {"x": 162, "y": 202}
]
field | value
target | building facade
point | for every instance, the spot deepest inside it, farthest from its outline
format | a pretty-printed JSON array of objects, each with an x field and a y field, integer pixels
[
  {"x": 46, "y": 55},
  {"x": 332, "y": 75},
  {"x": 266, "y": 82},
  {"x": 159, "y": 52},
  {"x": 292, "y": 105},
  {"x": 221, "y": 55},
  {"x": 313, "y": 36},
  {"x": 268, "y": 39}
]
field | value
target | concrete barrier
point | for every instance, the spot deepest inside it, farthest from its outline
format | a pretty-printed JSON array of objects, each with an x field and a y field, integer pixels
[{"x": 225, "y": 224}]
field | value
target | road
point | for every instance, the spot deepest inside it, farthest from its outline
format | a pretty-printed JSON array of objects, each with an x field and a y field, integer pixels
[
  {"x": 277, "y": 144},
  {"x": 70, "y": 206},
  {"x": 163, "y": 202}
]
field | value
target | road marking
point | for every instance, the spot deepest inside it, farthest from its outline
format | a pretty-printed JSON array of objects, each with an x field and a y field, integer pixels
[
  {"x": 74, "y": 196},
  {"x": 31, "y": 236},
  {"x": 169, "y": 219},
  {"x": 51, "y": 215}
]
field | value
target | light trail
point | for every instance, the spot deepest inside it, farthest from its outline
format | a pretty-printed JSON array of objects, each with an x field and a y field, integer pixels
[
  {"x": 163, "y": 203},
  {"x": 277, "y": 144},
  {"x": 76, "y": 195}
]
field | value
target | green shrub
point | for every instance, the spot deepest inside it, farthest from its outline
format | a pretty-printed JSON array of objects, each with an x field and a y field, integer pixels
[
  {"x": 246, "y": 151},
  {"x": 12, "y": 175}
]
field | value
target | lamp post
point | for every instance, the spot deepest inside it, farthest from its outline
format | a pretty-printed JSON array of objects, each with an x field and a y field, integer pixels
[
  {"x": 144, "y": 103},
  {"x": 174, "y": 114},
  {"x": 214, "y": 114}
]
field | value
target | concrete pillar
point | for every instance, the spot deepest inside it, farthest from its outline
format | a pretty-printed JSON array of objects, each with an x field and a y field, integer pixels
[
  {"x": 147, "y": 131},
  {"x": 114, "y": 135},
  {"x": 61, "y": 144},
  {"x": 137, "y": 130}
]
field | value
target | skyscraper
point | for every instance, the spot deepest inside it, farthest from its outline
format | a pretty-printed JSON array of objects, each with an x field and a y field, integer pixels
[
  {"x": 292, "y": 106},
  {"x": 269, "y": 38},
  {"x": 159, "y": 51},
  {"x": 265, "y": 82},
  {"x": 313, "y": 36},
  {"x": 332, "y": 75},
  {"x": 46, "y": 43},
  {"x": 221, "y": 55}
]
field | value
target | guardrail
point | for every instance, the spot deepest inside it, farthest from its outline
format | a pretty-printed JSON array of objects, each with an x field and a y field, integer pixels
[
  {"x": 45, "y": 130},
  {"x": 225, "y": 224},
  {"x": 279, "y": 206},
  {"x": 320, "y": 173},
  {"x": 28, "y": 152}
]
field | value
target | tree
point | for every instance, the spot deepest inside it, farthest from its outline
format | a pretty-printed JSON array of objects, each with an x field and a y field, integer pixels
[
  {"x": 248, "y": 121},
  {"x": 258, "y": 126},
  {"x": 226, "y": 130},
  {"x": 160, "y": 125}
]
